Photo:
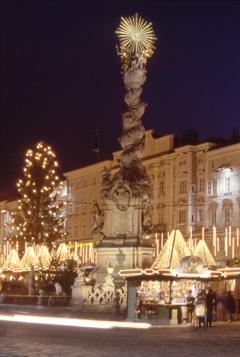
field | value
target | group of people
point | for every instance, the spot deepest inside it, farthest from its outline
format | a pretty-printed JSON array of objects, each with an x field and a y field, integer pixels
[
  {"x": 52, "y": 290},
  {"x": 224, "y": 307}
]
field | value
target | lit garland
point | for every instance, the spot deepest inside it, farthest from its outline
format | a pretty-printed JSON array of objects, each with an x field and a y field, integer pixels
[{"x": 39, "y": 217}]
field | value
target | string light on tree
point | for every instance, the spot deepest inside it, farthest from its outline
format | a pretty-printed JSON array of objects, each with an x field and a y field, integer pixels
[{"x": 39, "y": 216}]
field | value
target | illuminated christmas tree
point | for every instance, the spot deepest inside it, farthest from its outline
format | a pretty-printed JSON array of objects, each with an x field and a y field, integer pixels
[{"x": 39, "y": 218}]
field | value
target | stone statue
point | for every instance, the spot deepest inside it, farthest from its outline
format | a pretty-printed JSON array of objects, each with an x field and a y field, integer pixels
[{"x": 98, "y": 222}]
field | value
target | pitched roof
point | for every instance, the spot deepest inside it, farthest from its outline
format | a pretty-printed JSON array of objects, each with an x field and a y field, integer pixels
[{"x": 173, "y": 251}]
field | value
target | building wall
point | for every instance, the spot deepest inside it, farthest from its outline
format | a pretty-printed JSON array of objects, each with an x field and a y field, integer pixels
[{"x": 194, "y": 186}]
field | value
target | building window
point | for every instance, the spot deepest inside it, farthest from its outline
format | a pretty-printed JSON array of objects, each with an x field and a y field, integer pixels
[
  {"x": 161, "y": 217},
  {"x": 85, "y": 182},
  {"x": 227, "y": 214},
  {"x": 200, "y": 215},
  {"x": 200, "y": 160},
  {"x": 161, "y": 187},
  {"x": 183, "y": 162},
  {"x": 227, "y": 184},
  {"x": 70, "y": 232},
  {"x": 94, "y": 180},
  {"x": 201, "y": 185},
  {"x": 71, "y": 186},
  {"x": 183, "y": 186},
  {"x": 77, "y": 207},
  {"x": 75, "y": 231},
  {"x": 212, "y": 187},
  {"x": 77, "y": 185},
  {"x": 70, "y": 207},
  {"x": 83, "y": 229},
  {"x": 214, "y": 216},
  {"x": 182, "y": 216}
]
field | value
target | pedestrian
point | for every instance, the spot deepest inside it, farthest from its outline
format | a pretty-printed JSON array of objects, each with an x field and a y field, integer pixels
[
  {"x": 50, "y": 290},
  {"x": 190, "y": 306},
  {"x": 230, "y": 305},
  {"x": 209, "y": 306},
  {"x": 222, "y": 306},
  {"x": 5, "y": 286},
  {"x": 202, "y": 297}
]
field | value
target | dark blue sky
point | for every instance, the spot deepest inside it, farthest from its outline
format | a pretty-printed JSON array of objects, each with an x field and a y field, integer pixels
[{"x": 61, "y": 76}]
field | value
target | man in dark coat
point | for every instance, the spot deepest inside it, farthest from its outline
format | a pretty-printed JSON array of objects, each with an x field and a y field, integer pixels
[
  {"x": 209, "y": 305},
  {"x": 230, "y": 305}
]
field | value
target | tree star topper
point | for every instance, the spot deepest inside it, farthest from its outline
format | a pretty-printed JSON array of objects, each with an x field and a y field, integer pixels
[{"x": 136, "y": 36}]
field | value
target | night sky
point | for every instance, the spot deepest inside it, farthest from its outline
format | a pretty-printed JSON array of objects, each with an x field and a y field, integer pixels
[{"x": 61, "y": 76}]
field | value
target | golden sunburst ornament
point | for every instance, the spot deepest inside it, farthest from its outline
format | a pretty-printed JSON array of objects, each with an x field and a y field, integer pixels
[{"x": 136, "y": 35}]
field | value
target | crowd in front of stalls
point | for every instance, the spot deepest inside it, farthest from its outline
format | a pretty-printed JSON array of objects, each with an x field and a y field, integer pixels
[{"x": 195, "y": 302}]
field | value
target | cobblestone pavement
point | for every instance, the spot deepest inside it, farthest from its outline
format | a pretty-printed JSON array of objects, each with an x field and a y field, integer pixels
[
  {"x": 24, "y": 339},
  {"x": 20, "y": 339}
]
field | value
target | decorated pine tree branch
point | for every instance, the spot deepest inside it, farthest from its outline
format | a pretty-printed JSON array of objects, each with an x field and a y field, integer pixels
[{"x": 39, "y": 217}]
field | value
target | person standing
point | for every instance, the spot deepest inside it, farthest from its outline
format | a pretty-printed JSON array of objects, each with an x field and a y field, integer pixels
[
  {"x": 230, "y": 305},
  {"x": 209, "y": 306},
  {"x": 202, "y": 297},
  {"x": 222, "y": 306},
  {"x": 190, "y": 307}
]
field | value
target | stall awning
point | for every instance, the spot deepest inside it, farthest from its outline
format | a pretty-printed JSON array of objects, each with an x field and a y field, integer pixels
[{"x": 174, "y": 274}]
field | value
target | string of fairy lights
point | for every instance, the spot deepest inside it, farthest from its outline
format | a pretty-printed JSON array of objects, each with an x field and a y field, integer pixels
[{"x": 38, "y": 217}]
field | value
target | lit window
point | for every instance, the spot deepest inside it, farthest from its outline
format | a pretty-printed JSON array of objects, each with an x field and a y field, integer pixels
[
  {"x": 200, "y": 215},
  {"x": 212, "y": 187},
  {"x": 182, "y": 216},
  {"x": 227, "y": 184},
  {"x": 227, "y": 214},
  {"x": 201, "y": 185},
  {"x": 183, "y": 186},
  {"x": 161, "y": 187}
]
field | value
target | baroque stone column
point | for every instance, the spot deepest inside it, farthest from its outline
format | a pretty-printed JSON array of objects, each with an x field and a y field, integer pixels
[{"x": 127, "y": 194}]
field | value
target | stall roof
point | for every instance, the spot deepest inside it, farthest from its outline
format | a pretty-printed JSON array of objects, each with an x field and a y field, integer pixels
[{"x": 174, "y": 274}]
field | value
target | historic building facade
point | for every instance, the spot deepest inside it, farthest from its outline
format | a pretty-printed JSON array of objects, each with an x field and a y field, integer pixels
[{"x": 195, "y": 186}]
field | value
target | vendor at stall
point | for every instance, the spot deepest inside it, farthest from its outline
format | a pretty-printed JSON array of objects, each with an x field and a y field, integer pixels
[{"x": 190, "y": 306}]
